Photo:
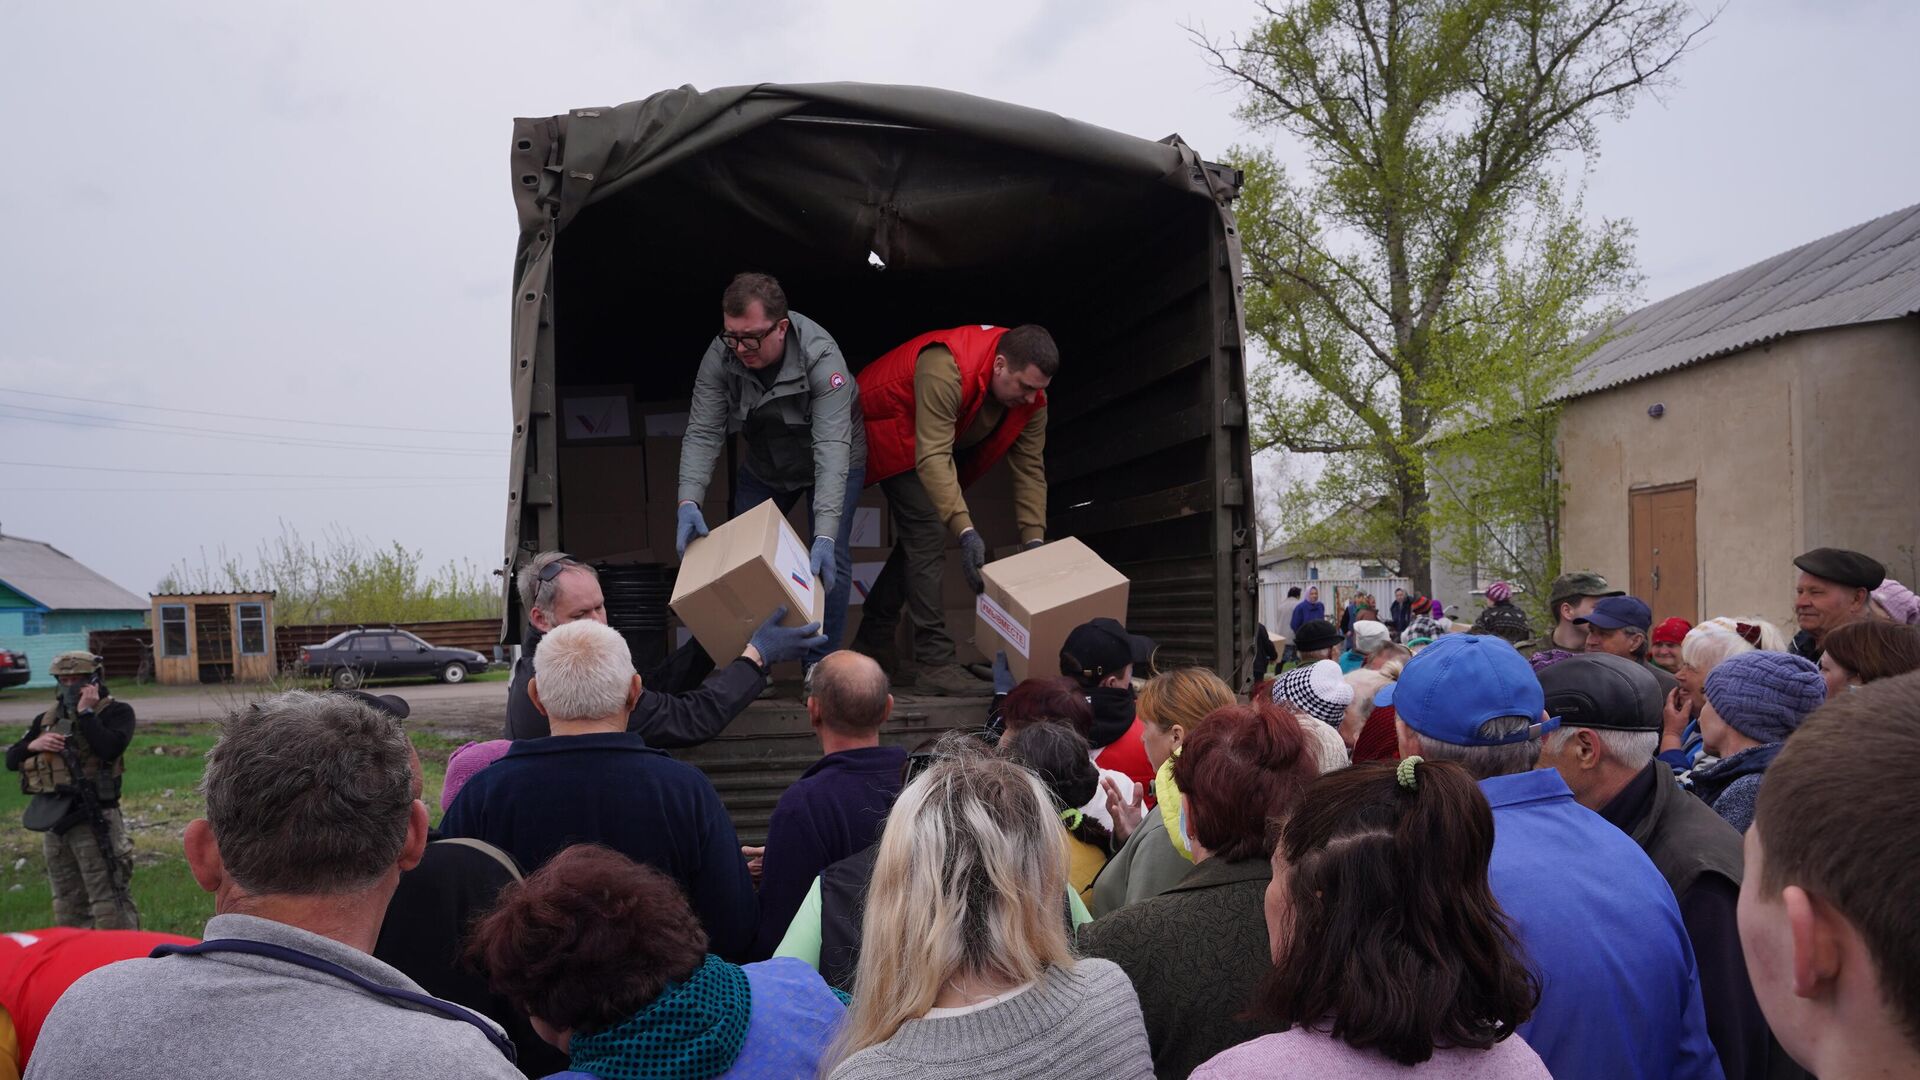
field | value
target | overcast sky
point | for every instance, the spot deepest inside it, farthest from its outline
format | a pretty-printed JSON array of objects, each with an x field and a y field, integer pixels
[{"x": 302, "y": 211}]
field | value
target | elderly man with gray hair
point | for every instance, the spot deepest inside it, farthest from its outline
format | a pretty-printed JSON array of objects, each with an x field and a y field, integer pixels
[
  {"x": 1619, "y": 992},
  {"x": 1610, "y": 713},
  {"x": 557, "y": 589},
  {"x": 595, "y": 781},
  {"x": 311, "y": 818}
]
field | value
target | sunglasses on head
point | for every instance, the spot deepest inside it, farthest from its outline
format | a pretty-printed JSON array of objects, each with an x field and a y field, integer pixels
[{"x": 553, "y": 569}]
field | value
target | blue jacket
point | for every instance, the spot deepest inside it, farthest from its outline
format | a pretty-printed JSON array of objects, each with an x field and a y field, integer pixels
[
  {"x": 613, "y": 789},
  {"x": 1308, "y": 611},
  {"x": 1619, "y": 992},
  {"x": 835, "y": 809}
]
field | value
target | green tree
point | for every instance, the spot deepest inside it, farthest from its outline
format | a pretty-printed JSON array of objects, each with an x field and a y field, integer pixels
[
  {"x": 343, "y": 579},
  {"x": 1493, "y": 463},
  {"x": 1432, "y": 129}
]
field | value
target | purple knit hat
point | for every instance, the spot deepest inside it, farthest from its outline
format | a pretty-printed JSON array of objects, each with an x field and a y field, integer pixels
[
  {"x": 467, "y": 760},
  {"x": 1546, "y": 658},
  {"x": 1499, "y": 592},
  {"x": 1899, "y": 601},
  {"x": 1765, "y": 695}
]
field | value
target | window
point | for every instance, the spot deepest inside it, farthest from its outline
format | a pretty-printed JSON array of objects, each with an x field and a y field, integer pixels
[
  {"x": 31, "y": 623},
  {"x": 173, "y": 630},
  {"x": 253, "y": 629}
]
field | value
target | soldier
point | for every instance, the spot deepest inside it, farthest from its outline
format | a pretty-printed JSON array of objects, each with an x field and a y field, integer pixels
[{"x": 70, "y": 761}]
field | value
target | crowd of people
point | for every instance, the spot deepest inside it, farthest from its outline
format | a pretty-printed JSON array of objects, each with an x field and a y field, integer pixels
[{"x": 1618, "y": 850}]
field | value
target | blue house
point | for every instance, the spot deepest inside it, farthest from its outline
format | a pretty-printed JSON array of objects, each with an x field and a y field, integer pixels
[{"x": 49, "y": 603}]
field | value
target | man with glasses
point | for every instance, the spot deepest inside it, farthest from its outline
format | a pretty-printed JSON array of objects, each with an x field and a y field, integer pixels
[
  {"x": 941, "y": 410},
  {"x": 556, "y": 590},
  {"x": 777, "y": 378}
]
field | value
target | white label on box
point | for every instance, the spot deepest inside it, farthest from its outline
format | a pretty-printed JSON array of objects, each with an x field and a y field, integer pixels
[
  {"x": 1003, "y": 623},
  {"x": 669, "y": 425},
  {"x": 864, "y": 575},
  {"x": 595, "y": 416},
  {"x": 790, "y": 561},
  {"x": 866, "y": 527}
]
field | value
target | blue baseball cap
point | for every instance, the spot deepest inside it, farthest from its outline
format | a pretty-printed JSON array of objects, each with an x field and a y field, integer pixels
[
  {"x": 1462, "y": 681},
  {"x": 1620, "y": 612}
]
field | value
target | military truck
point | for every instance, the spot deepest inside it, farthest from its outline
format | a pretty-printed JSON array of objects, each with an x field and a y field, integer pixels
[{"x": 885, "y": 211}]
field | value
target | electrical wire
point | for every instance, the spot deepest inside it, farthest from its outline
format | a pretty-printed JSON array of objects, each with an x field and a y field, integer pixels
[
  {"x": 35, "y": 415},
  {"x": 251, "y": 475},
  {"x": 242, "y": 416}
]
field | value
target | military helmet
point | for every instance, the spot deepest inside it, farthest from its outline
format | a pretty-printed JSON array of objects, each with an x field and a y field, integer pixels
[{"x": 78, "y": 662}]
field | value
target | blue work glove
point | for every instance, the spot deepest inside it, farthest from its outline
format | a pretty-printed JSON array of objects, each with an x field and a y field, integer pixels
[
  {"x": 1031, "y": 544},
  {"x": 823, "y": 565},
  {"x": 1002, "y": 674},
  {"x": 692, "y": 526},
  {"x": 778, "y": 644},
  {"x": 973, "y": 556}
]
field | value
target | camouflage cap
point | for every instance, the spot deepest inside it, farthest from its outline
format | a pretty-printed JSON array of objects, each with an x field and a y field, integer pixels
[
  {"x": 78, "y": 662},
  {"x": 1580, "y": 583}
]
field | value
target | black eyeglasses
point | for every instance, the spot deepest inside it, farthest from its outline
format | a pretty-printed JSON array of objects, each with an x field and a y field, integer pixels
[
  {"x": 555, "y": 568},
  {"x": 734, "y": 341}
]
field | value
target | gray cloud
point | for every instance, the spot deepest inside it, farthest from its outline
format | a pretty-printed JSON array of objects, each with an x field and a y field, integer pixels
[{"x": 303, "y": 211}]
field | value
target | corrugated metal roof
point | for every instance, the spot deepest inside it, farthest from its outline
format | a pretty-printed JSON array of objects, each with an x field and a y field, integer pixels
[
  {"x": 52, "y": 578},
  {"x": 1863, "y": 274}
]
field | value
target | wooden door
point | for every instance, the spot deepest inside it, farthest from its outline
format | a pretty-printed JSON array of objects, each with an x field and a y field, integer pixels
[{"x": 1665, "y": 564}]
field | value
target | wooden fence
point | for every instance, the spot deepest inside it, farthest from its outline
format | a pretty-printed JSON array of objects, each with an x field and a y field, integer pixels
[{"x": 129, "y": 653}]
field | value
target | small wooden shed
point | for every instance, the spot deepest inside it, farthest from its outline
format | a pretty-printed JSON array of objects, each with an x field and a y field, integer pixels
[{"x": 212, "y": 637}]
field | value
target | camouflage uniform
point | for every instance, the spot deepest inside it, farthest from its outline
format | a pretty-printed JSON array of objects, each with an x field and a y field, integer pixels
[{"x": 91, "y": 888}]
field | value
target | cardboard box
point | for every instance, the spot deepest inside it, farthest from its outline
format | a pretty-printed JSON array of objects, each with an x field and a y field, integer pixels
[
  {"x": 604, "y": 503},
  {"x": 734, "y": 578},
  {"x": 1034, "y": 599}
]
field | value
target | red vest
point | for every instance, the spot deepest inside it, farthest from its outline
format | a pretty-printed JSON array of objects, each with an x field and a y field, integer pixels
[{"x": 886, "y": 397}]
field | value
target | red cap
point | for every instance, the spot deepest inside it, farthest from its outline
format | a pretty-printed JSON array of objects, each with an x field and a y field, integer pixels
[{"x": 1671, "y": 632}]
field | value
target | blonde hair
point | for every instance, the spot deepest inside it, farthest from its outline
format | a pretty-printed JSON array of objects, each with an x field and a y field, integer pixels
[
  {"x": 1182, "y": 696},
  {"x": 583, "y": 671},
  {"x": 1706, "y": 646},
  {"x": 970, "y": 880}
]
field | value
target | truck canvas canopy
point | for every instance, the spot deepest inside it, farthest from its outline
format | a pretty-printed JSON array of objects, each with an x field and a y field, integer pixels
[{"x": 887, "y": 211}]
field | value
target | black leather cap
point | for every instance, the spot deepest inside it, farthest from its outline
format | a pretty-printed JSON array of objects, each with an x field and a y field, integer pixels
[
  {"x": 1600, "y": 690},
  {"x": 1849, "y": 568}
]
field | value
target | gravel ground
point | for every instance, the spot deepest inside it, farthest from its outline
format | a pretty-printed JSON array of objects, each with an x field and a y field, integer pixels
[{"x": 470, "y": 709}]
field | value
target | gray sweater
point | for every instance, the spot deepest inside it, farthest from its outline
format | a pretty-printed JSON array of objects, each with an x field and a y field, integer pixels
[
  {"x": 1083, "y": 1023},
  {"x": 227, "y": 1016}
]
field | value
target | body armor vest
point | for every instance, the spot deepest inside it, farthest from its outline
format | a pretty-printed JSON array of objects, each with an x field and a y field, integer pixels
[{"x": 47, "y": 773}]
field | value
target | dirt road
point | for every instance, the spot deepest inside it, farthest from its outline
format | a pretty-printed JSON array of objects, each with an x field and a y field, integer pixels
[{"x": 472, "y": 709}]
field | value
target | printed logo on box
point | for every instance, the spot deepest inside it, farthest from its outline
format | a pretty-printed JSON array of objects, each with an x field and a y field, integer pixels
[{"x": 1002, "y": 623}]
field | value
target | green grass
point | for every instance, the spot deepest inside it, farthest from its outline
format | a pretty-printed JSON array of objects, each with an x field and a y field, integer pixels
[{"x": 158, "y": 797}]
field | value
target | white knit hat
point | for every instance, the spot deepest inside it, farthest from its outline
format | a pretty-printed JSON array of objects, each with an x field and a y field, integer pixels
[{"x": 1317, "y": 689}]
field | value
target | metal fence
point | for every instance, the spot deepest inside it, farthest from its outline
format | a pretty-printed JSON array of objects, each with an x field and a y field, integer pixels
[
  {"x": 129, "y": 653},
  {"x": 1334, "y": 593}
]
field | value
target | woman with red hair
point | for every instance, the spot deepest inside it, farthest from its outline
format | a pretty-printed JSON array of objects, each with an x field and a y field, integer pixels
[
  {"x": 1197, "y": 952},
  {"x": 608, "y": 961}
]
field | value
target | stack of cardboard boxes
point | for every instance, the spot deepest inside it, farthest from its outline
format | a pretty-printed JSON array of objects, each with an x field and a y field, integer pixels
[{"x": 619, "y": 466}]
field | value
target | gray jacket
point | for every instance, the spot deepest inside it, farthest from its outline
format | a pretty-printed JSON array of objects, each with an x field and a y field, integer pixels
[
  {"x": 805, "y": 431},
  {"x": 228, "y": 1016}
]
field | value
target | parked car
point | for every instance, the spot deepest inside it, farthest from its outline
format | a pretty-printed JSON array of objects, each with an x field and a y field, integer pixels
[
  {"x": 15, "y": 668},
  {"x": 349, "y": 657}
]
